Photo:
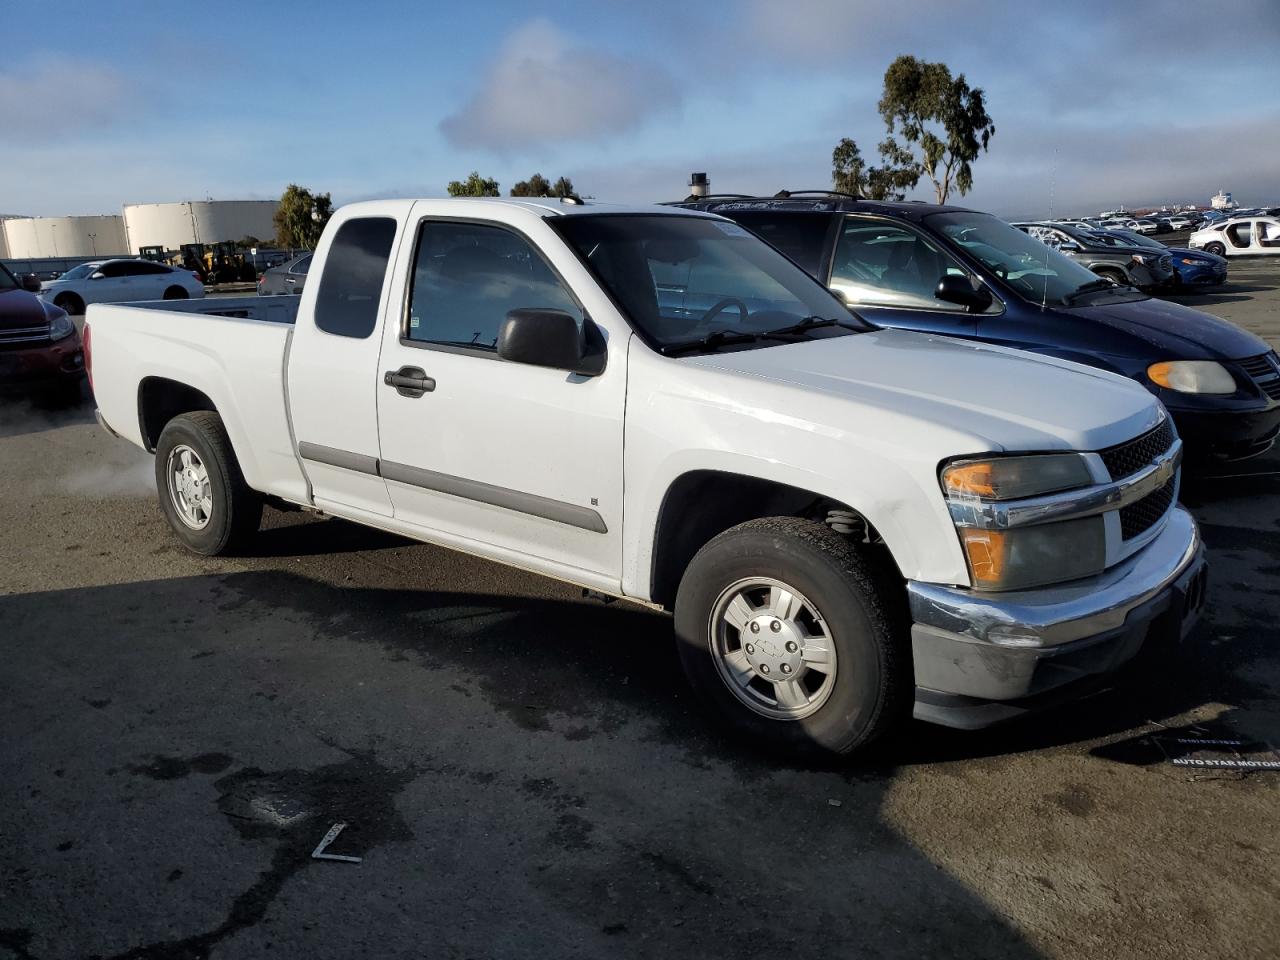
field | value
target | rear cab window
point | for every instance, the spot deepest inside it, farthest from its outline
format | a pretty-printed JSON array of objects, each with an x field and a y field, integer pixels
[{"x": 352, "y": 278}]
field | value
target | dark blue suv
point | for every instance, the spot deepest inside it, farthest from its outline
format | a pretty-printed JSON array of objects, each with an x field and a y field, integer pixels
[{"x": 968, "y": 274}]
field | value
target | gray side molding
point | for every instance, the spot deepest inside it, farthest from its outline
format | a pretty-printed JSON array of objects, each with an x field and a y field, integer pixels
[
  {"x": 318, "y": 453},
  {"x": 567, "y": 513}
]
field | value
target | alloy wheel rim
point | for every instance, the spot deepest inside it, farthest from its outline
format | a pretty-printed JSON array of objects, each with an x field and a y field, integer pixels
[
  {"x": 189, "y": 489},
  {"x": 772, "y": 648}
]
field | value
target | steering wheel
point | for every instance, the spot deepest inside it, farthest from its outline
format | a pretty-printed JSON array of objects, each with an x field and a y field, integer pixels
[{"x": 721, "y": 306}]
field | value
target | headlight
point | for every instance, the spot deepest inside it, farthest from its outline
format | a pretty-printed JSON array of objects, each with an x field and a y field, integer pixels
[
  {"x": 1017, "y": 557},
  {"x": 1144, "y": 258},
  {"x": 1011, "y": 478},
  {"x": 61, "y": 327},
  {"x": 1033, "y": 556},
  {"x": 1188, "y": 262},
  {"x": 1192, "y": 376}
]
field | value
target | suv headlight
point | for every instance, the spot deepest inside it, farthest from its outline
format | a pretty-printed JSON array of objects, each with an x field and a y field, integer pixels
[
  {"x": 1019, "y": 557},
  {"x": 1145, "y": 258},
  {"x": 1192, "y": 376},
  {"x": 61, "y": 327}
]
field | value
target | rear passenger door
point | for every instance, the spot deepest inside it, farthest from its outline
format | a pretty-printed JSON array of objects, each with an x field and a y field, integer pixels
[
  {"x": 333, "y": 361},
  {"x": 887, "y": 272}
]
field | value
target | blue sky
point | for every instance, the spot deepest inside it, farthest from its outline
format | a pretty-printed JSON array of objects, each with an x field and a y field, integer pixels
[{"x": 1095, "y": 103}]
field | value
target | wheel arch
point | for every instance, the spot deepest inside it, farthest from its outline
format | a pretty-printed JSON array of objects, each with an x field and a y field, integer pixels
[
  {"x": 160, "y": 399},
  {"x": 700, "y": 504}
]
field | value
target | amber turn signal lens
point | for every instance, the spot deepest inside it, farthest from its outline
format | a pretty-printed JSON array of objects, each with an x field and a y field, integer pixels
[
  {"x": 971, "y": 479},
  {"x": 987, "y": 551}
]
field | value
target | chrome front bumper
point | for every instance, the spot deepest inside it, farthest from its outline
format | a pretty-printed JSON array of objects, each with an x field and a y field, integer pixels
[{"x": 984, "y": 657}]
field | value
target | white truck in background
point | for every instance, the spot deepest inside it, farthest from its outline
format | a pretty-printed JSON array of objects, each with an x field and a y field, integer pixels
[{"x": 850, "y": 524}]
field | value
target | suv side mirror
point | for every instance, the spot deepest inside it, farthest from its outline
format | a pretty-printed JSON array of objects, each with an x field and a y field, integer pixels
[
  {"x": 551, "y": 338},
  {"x": 97, "y": 275},
  {"x": 1068, "y": 245},
  {"x": 954, "y": 288},
  {"x": 31, "y": 283}
]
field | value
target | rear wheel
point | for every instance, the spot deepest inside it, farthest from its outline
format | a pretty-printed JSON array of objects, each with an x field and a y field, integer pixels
[
  {"x": 175, "y": 293},
  {"x": 794, "y": 637},
  {"x": 69, "y": 302},
  {"x": 1216, "y": 249},
  {"x": 202, "y": 492}
]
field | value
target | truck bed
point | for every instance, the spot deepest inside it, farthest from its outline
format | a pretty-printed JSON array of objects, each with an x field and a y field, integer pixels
[{"x": 233, "y": 350}]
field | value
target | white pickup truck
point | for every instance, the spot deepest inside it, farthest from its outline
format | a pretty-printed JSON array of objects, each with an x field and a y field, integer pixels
[{"x": 850, "y": 524}]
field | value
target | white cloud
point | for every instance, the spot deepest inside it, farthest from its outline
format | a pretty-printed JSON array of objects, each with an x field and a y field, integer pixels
[
  {"x": 60, "y": 96},
  {"x": 542, "y": 88}
]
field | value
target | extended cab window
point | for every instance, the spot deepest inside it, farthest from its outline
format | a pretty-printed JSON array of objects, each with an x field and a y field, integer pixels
[
  {"x": 467, "y": 277},
  {"x": 883, "y": 264},
  {"x": 351, "y": 282}
]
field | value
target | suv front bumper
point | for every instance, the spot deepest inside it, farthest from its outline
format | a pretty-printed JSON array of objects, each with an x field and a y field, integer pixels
[{"x": 981, "y": 658}]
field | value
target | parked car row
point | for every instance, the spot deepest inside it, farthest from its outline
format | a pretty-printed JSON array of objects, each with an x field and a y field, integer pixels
[
  {"x": 1128, "y": 257},
  {"x": 1248, "y": 236},
  {"x": 120, "y": 281}
]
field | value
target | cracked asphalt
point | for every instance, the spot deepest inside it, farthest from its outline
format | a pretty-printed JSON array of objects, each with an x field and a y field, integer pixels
[{"x": 524, "y": 773}]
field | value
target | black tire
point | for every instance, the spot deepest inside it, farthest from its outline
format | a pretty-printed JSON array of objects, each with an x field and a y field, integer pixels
[
  {"x": 1217, "y": 249},
  {"x": 70, "y": 302},
  {"x": 236, "y": 510},
  {"x": 175, "y": 293},
  {"x": 862, "y": 604},
  {"x": 1117, "y": 276}
]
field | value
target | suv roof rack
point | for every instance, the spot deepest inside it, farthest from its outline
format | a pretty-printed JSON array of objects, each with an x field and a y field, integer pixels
[
  {"x": 694, "y": 198},
  {"x": 786, "y": 194}
]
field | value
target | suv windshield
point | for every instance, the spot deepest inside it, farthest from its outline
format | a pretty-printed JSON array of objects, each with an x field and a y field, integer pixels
[
  {"x": 698, "y": 282},
  {"x": 1038, "y": 272}
]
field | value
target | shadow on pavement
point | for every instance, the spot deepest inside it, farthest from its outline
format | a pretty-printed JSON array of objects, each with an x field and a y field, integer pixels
[{"x": 524, "y": 778}]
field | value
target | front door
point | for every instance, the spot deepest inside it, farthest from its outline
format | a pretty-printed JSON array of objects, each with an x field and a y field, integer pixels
[
  {"x": 888, "y": 272},
  {"x": 521, "y": 459}
]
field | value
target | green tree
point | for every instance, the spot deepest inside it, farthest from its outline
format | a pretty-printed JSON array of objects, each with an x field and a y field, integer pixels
[
  {"x": 535, "y": 186},
  {"x": 474, "y": 186},
  {"x": 301, "y": 217},
  {"x": 942, "y": 122},
  {"x": 563, "y": 188},
  {"x": 850, "y": 174}
]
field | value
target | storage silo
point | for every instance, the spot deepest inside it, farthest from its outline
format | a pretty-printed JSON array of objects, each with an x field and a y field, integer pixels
[
  {"x": 170, "y": 225},
  {"x": 30, "y": 238}
]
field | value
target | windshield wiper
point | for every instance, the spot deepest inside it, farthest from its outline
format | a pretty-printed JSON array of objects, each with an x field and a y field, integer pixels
[
  {"x": 712, "y": 341},
  {"x": 1095, "y": 286},
  {"x": 812, "y": 323}
]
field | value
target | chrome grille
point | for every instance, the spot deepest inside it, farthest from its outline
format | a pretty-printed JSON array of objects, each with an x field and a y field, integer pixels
[
  {"x": 1139, "y": 517},
  {"x": 20, "y": 336},
  {"x": 1265, "y": 372},
  {"x": 1128, "y": 458},
  {"x": 1166, "y": 264}
]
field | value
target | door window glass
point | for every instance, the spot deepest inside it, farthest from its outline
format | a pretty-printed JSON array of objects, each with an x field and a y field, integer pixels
[
  {"x": 467, "y": 277},
  {"x": 115, "y": 270},
  {"x": 351, "y": 282},
  {"x": 302, "y": 266},
  {"x": 882, "y": 264}
]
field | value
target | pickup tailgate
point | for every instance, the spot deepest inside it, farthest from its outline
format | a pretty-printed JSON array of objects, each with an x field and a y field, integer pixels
[{"x": 143, "y": 353}]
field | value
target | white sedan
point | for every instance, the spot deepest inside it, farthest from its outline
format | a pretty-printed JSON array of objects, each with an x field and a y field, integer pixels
[
  {"x": 1239, "y": 237},
  {"x": 120, "y": 281}
]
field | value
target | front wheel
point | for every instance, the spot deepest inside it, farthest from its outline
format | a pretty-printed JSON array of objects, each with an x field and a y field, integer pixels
[
  {"x": 202, "y": 493},
  {"x": 1217, "y": 249},
  {"x": 794, "y": 637}
]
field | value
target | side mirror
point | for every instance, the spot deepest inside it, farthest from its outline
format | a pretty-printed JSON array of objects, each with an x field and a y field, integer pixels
[
  {"x": 954, "y": 288},
  {"x": 97, "y": 275},
  {"x": 1068, "y": 245},
  {"x": 551, "y": 338},
  {"x": 31, "y": 283}
]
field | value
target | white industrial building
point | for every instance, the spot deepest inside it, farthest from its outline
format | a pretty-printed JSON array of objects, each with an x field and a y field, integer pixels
[
  {"x": 170, "y": 225},
  {"x": 28, "y": 238}
]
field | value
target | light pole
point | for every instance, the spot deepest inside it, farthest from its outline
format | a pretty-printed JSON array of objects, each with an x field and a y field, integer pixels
[
  {"x": 93, "y": 240},
  {"x": 54, "y": 227}
]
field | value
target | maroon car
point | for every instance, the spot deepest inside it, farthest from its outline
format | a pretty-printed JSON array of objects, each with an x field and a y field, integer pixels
[{"x": 40, "y": 350}]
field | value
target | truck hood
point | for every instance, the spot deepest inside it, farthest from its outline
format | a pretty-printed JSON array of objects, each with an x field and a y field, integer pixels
[
  {"x": 19, "y": 309},
  {"x": 998, "y": 397},
  {"x": 1178, "y": 331}
]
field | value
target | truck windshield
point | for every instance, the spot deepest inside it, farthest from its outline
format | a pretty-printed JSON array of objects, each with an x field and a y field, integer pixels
[
  {"x": 689, "y": 281},
  {"x": 1038, "y": 272}
]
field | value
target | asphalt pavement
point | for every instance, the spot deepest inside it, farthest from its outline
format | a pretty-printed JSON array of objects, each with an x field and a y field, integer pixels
[{"x": 524, "y": 773}]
